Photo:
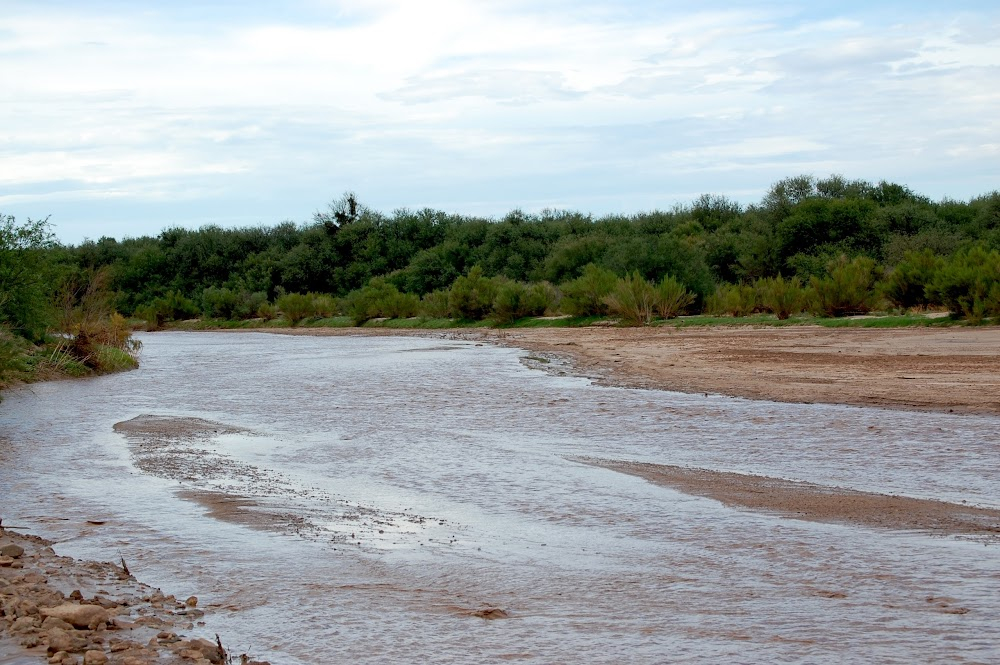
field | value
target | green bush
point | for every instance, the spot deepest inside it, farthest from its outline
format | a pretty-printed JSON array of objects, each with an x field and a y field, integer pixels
[
  {"x": 434, "y": 305},
  {"x": 586, "y": 295},
  {"x": 848, "y": 288},
  {"x": 968, "y": 284},
  {"x": 672, "y": 298},
  {"x": 906, "y": 285},
  {"x": 295, "y": 306},
  {"x": 633, "y": 300},
  {"x": 380, "y": 299},
  {"x": 733, "y": 299},
  {"x": 218, "y": 303},
  {"x": 782, "y": 297},
  {"x": 471, "y": 296},
  {"x": 324, "y": 306},
  {"x": 515, "y": 300}
]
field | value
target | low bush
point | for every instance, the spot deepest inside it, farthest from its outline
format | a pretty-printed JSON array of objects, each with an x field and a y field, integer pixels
[
  {"x": 782, "y": 297},
  {"x": 434, "y": 305},
  {"x": 733, "y": 299},
  {"x": 633, "y": 300},
  {"x": 472, "y": 295},
  {"x": 906, "y": 285},
  {"x": 380, "y": 299},
  {"x": 587, "y": 294},
  {"x": 968, "y": 284},
  {"x": 848, "y": 288},
  {"x": 672, "y": 298},
  {"x": 295, "y": 307}
]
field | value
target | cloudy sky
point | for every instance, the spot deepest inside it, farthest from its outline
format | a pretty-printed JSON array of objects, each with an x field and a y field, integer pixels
[{"x": 121, "y": 118}]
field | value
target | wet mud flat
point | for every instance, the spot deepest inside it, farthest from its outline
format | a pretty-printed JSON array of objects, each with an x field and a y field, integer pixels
[{"x": 818, "y": 503}]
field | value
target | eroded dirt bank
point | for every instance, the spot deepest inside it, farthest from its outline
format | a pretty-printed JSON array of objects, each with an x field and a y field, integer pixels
[
  {"x": 942, "y": 369},
  {"x": 809, "y": 501}
]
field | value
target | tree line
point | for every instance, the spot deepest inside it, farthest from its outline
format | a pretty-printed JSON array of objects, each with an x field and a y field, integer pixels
[{"x": 830, "y": 246}]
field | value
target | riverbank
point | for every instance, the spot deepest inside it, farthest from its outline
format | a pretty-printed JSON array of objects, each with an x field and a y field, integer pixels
[
  {"x": 954, "y": 369},
  {"x": 70, "y": 611}
]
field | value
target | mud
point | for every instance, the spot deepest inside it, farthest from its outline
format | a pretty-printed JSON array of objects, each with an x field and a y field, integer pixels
[{"x": 819, "y": 503}]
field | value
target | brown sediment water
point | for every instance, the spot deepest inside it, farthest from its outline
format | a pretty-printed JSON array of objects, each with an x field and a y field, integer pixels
[{"x": 391, "y": 499}]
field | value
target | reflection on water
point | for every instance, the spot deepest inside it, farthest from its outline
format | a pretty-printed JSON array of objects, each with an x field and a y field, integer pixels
[{"x": 392, "y": 487}]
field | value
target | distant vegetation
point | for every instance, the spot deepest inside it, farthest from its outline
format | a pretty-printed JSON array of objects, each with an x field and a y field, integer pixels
[{"x": 828, "y": 247}]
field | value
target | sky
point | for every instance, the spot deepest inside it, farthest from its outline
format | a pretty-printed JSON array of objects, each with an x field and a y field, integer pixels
[{"x": 122, "y": 118}]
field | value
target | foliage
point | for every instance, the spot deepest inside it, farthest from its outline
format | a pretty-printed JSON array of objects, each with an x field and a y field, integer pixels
[
  {"x": 906, "y": 285},
  {"x": 968, "y": 284},
  {"x": 434, "y": 305},
  {"x": 295, "y": 306},
  {"x": 633, "y": 300},
  {"x": 472, "y": 295},
  {"x": 672, "y": 298},
  {"x": 585, "y": 295},
  {"x": 515, "y": 300},
  {"x": 782, "y": 297},
  {"x": 25, "y": 276},
  {"x": 847, "y": 289},
  {"x": 733, "y": 299},
  {"x": 380, "y": 299}
]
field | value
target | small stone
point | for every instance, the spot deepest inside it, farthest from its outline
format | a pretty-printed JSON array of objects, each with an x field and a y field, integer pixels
[
  {"x": 55, "y": 622},
  {"x": 6, "y": 561},
  {"x": 82, "y": 616},
  {"x": 11, "y": 550},
  {"x": 24, "y": 625},
  {"x": 61, "y": 640},
  {"x": 94, "y": 657},
  {"x": 192, "y": 601}
]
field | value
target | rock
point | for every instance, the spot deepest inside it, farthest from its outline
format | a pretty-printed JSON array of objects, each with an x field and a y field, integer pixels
[
  {"x": 61, "y": 640},
  {"x": 6, "y": 561},
  {"x": 94, "y": 657},
  {"x": 57, "y": 657},
  {"x": 209, "y": 650},
  {"x": 55, "y": 622},
  {"x": 11, "y": 550},
  {"x": 192, "y": 601},
  {"x": 81, "y": 616},
  {"x": 24, "y": 625}
]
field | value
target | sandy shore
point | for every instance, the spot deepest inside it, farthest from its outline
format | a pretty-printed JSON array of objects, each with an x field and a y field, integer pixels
[{"x": 938, "y": 369}]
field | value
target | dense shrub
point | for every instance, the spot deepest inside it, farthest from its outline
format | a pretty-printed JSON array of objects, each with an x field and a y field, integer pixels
[
  {"x": 515, "y": 300},
  {"x": 295, "y": 306},
  {"x": 633, "y": 300},
  {"x": 672, "y": 298},
  {"x": 906, "y": 285},
  {"x": 968, "y": 284},
  {"x": 848, "y": 288},
  {"x": 435, "y": 304},
  {"x": 586, "y": 295},
  {"x": 380, "y": 299},
  {"x": 733, "y": 299},
  {"x": 472, "y": 295},
  {"x": 782, "y": 297}
]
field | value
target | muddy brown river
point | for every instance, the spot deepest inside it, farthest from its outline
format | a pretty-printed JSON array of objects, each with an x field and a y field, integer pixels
[{"x": 393, "y": 499}]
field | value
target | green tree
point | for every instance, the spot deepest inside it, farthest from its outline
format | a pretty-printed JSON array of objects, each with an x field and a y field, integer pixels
[{"x": 25, "y": 276}]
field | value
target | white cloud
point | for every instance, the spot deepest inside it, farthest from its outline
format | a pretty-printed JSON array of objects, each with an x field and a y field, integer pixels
[{"x": 352, "y": 93}]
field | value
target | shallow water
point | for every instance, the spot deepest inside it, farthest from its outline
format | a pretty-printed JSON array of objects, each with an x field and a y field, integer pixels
[{"x": 403, "y": 484}]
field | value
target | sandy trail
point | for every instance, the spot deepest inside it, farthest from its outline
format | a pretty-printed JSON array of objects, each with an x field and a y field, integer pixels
[{"x": 937, "y": 369}]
